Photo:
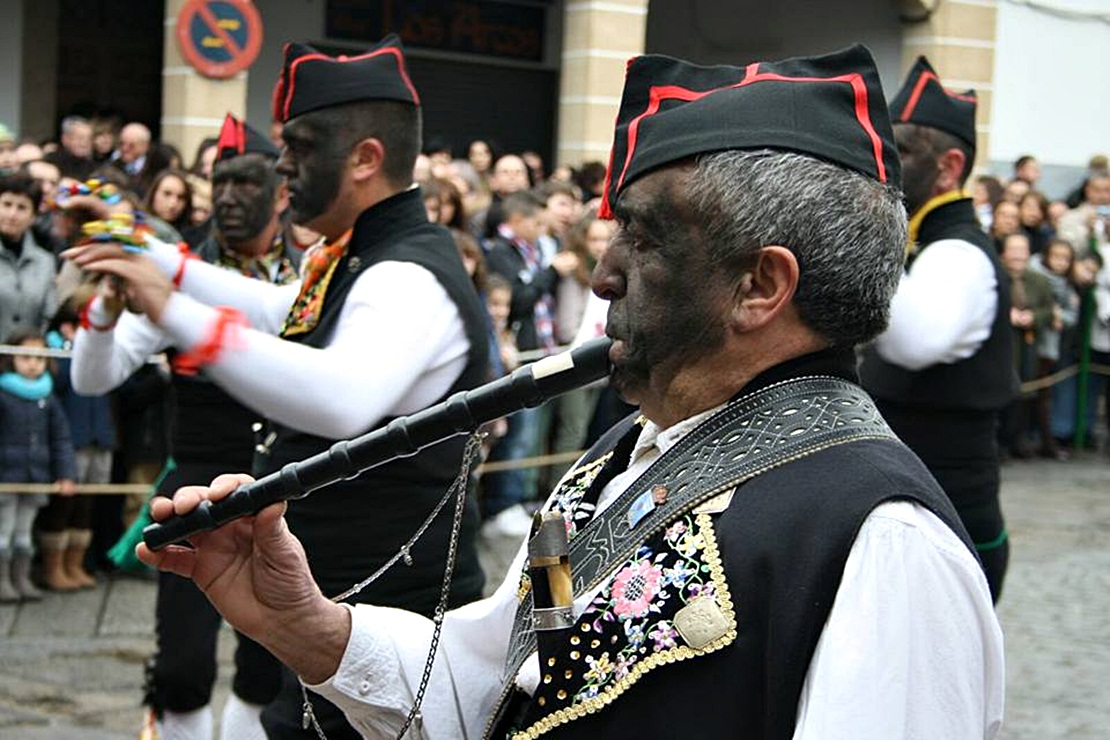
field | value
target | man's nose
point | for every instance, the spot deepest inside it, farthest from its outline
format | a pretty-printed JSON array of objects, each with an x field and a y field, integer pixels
[{"x": 608, "y": 280}]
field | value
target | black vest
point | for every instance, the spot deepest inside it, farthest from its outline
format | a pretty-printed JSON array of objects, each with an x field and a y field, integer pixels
[
  {"x": 351, "y": 528},
  {"x": 209, "y": 425},
  {"x": 983, "y": 382},
  {"x": 782, "y": 544}
]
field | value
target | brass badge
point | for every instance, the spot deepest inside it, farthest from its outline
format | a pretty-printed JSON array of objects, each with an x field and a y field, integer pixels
[{"x": 701, "y": 622}]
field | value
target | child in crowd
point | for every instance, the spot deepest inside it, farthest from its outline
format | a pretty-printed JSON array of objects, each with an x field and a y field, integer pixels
[
  {"x": 1055, "y": 263},
  {"x": 499, "y": 296},
  {"x": 68, "y": 520},
  {"x": 34, "y": 448}
]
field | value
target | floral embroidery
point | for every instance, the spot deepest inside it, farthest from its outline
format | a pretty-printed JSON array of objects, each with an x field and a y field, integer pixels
[
  {"x": 567, "y": 499},
  {"x": 632, "y": 613},
  {"x": 634, "y": 587},
  {"x": 319, "y": 265}
]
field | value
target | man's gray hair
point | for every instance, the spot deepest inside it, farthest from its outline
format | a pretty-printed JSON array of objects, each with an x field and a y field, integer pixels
[
  {"x": 847, "y": 231},
  {"x": 71, "y": 122}
]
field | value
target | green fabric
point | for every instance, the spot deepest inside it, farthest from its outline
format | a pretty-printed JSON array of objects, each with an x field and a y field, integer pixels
[
  {"x": 123, "y": 552},
  {"x": 996, "y": 542}
]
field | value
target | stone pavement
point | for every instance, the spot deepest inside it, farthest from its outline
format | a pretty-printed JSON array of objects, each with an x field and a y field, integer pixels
[{"x": 71, "y": 666}]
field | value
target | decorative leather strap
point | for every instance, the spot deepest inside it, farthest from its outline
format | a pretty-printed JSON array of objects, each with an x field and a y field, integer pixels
[{"x": 761, "y": 431}]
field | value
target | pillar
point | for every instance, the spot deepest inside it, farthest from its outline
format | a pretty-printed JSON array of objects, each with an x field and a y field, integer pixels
[{"x": 598, "y": 40}]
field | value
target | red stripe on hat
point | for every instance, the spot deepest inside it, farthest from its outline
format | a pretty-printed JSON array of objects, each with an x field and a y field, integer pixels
[
  {"x": 919, "y": 88},
  {"x": 323, "y": 57},
  {"x": 657, "y": 95}
]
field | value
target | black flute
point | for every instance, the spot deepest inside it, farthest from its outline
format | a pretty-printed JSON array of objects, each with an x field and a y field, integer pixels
[{"x": 462, "y": 413}]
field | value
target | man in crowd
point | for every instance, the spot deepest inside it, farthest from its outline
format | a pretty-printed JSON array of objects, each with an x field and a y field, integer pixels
[
  {"x": 1087, "y": 226},
  {"x": 944, "y": 369},
  {"x": 134, "y": 143},
  {"x": 1027, "y": 169},
  {"x": 210, "y": 432},
  {"x": 1032, "y": 311},
  {"x": 508, "y": 175},
  {"x": 384, "y": 322},
  {"x": 515, "y": 255},
  {"x": 758, "y": 556},
  {"x": 74, "y": 156}
]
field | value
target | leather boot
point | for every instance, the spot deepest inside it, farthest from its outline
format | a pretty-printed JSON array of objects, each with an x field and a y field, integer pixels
[
  {"x": 74, "y": 559},
  {"x": 21, "y": 575},
  {"x": 53, "y": 561},
  {"x": 8, "y": 593}
]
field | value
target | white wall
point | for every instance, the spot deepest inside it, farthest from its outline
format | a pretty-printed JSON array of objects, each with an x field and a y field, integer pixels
[{"x": 1051, "y": 88}]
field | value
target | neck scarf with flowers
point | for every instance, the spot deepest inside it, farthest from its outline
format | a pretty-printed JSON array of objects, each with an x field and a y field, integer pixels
[
  {"x": 319, "y": 265},
  {"x": 272, "y": 267}
]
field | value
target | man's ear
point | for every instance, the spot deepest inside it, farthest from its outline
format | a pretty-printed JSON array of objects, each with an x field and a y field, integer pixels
[
  {"x": 367, "y": 159},
  {"x": 765, "y": 289},
  {"x": 951, "y": 164}
]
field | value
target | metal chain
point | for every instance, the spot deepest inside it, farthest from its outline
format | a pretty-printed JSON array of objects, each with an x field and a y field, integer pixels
[{"x": 457, "y": 490}]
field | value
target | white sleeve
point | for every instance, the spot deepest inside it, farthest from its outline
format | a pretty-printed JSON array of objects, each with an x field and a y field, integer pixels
[
  {"x": 399, "y": 344},
  {"x": 912, "y": 647},
  {"x": 943, "y": 309},
  {"x": 103, "y": 360},
  {"x": 380, "y": 672},
  {"x": 264, "y": 304}
]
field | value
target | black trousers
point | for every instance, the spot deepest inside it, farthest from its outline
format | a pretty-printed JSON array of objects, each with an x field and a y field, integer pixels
[
  {"x": 183, "y": 670},
  {"x": 960, "y": 448},
  {"x": 184, "y": 667}
]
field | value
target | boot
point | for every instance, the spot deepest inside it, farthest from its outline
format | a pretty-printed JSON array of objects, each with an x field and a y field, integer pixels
[
  {"x": 21, "y": 575},
  {"x": 8, "y": 593},
  {"x": 53, "y": 565},
  {"x": 74, "y": 559}
]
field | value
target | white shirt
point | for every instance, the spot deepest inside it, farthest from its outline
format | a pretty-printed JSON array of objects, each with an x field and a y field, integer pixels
[
  {"x": 943, "y": 309},
  {"x": 911, "y": 648},
  {"x": 398, "y": 346}
]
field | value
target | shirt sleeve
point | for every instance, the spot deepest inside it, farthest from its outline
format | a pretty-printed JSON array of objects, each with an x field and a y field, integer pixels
[
  {"x": 103, "y": 360},
  {"x": 943, "y": 309},
  {"x": 380, "y": 672},
  {"x": 264, "y": 304},
  {"x": 912, "y": 647},
  {"x": 398, "y": 346}
]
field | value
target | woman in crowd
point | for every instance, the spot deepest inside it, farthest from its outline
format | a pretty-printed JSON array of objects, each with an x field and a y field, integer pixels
[
  {"x": 985, "y": 194},
  {"x": 171, "y": 199},
  {"x": 1033, "y": 212},
  {"x": 27, "y": 296},
  {"x": 1006, "y": 220},
  {"x": 1055, "y": 263}
]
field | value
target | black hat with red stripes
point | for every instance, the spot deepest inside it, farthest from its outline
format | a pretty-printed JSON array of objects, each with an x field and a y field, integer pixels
[
  {"x": 237, "y": 137},
  {"x": 830, "y": 107},
  {"x": 924, "y": 101},
  {"x": 311, "y": 80}
]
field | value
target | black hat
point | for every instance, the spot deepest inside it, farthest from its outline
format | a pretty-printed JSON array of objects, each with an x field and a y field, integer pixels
[
  {"x": 924, "y": 101},
  {"x": 830, "y": 107},
  {"x": 236, "y": 137},
  {"x": 310, "y": 80}
]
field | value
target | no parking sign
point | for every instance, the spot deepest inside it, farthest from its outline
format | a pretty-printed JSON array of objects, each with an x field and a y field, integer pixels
[{"x": 219, "y": 38}]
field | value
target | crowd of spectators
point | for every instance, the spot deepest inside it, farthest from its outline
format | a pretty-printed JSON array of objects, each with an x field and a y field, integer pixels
[
  {"x": 529, "y": 239},
  {"x": 1054, "y": 252}
]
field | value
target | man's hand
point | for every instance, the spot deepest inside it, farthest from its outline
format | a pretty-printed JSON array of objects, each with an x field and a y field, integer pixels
[
  {"x": 565, "y": 263},
  {"x": 255, "y": 573},
  {"x": 146, "y": 288},
  {"x": 66, "y": 487}
]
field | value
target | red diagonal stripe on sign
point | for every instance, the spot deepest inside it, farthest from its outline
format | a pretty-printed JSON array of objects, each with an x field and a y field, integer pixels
[{"x": 213, "y": 22}]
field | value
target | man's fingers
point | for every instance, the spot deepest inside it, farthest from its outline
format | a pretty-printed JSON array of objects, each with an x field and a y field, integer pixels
[
  {"x": 82, "y": 255},
  {"x": 161, "y": 508},
  {"x": 174, "y": 559},
  {"x": 188, "y": 498},
  {"x": 224, "y": 484}
]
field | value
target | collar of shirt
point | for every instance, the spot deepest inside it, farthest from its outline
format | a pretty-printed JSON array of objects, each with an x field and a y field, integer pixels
[{"x": 652, "y": 443}]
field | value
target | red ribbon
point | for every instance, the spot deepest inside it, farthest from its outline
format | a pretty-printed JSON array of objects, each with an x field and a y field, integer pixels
[{"x": 223, "y": 332}]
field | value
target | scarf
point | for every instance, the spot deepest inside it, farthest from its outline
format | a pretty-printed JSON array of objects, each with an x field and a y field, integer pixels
[
  {"x": 319, "y": 265},
  {"x": 26, "y": 388}
]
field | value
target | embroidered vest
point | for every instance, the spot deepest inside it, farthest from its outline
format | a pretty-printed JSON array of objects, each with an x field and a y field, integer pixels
[{"x": 737, "y": 568}]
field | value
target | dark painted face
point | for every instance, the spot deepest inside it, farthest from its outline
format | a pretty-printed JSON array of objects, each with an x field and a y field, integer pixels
[
  {"x": 243, "y": 197},
  {"x": 667, "y": 299},
  {"x": 312, "y": 163},
  {"x": 919, "y": 167}
]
